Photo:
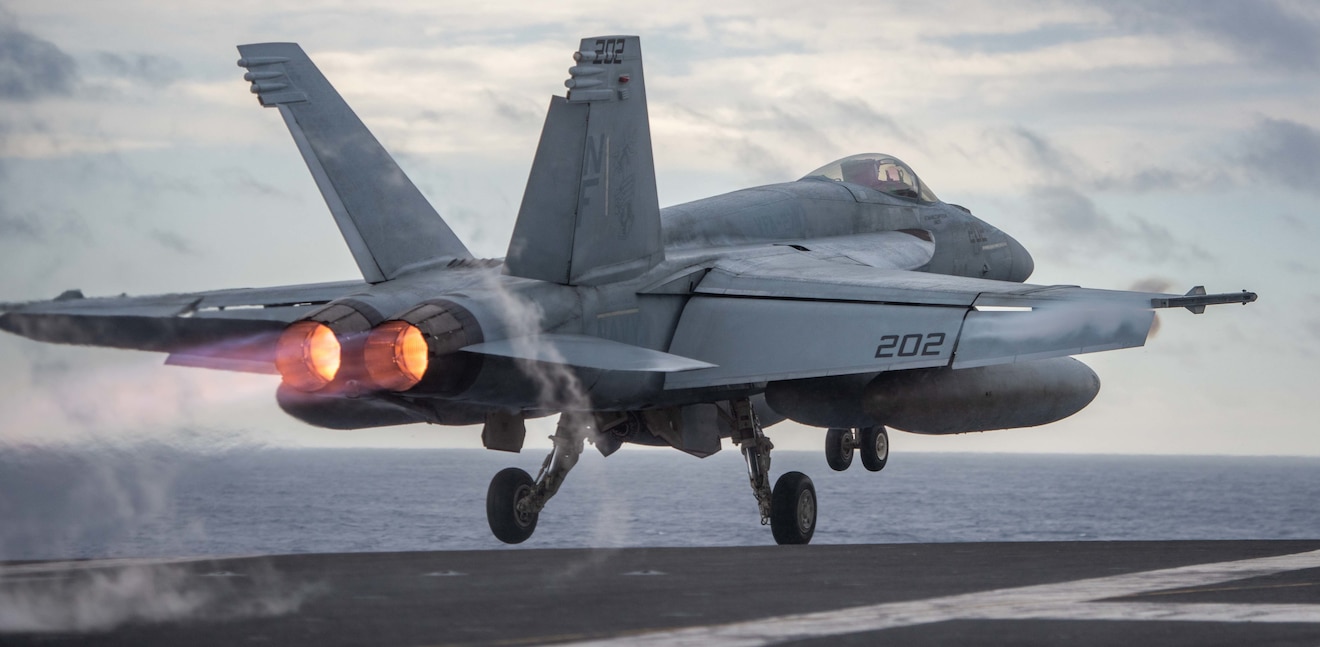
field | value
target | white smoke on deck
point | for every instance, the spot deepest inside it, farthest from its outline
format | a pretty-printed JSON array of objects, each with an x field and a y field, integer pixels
[
  {"x": 100, "y": 596},
  {"x": 93, "y": 501}
]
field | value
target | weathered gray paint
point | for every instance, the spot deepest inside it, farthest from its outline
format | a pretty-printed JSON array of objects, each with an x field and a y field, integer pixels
[
  {"x": 542, "y": 243},
  {"x": 591, "y": 214},
  {"x": 948, "y": 401},
  {"x": 388, "y": 224},
  {"x": 794, "y": 339},
  {"x": 795, "y": 281}
]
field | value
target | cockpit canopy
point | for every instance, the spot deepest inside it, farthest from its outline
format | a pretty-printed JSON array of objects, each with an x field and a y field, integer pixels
[{"x": 878, "y": 171}]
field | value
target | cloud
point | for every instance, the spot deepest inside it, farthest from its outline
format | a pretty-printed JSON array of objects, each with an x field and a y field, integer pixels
[
  {"x": 1039, "y": 153},
  {"x": 1051, "y": 162},
  {"x": 1295, "y": 222},
  {"x": 516, "y": 113},
  {"x": 241, "y": 180},
  {"x": 25, "y": 227},
  {"x": 1065, "y": 211},
  {"x": 1277, "y": 33},
  {"x": 172, "y": 241},
  {"x": 1284, "y": 152},
  {"x": 151, "y": 68},
  {"x": 1023, "y": 40},
  {"x": 1298, "y": 267},
  {"x": 1078, "y": 226},
  {"x": 857, "y": 113},
  {"x": 32, "y": 68}
]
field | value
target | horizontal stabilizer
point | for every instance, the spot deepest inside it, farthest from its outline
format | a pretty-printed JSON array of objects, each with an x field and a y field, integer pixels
[
  {"x": 261, "y": 361},
  {"x": 388, "y": 225},
  {"x": 588, "y": 352},
  {"x": 232, "y": 330}
]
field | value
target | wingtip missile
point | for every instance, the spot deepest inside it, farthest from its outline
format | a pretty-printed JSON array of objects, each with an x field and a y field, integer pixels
[{"x": 1196, "y": 299}]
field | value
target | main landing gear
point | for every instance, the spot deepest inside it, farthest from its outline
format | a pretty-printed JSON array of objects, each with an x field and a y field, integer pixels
[
  {"x": 871, "y": 442},
  {"x": 514, "y": 499}
]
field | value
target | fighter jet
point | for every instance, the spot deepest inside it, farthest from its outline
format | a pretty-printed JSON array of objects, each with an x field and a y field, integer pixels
[{"x": 852, "y": 299}]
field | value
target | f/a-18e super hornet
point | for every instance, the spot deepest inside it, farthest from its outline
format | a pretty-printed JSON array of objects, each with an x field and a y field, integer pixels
[{"x": 851, "y": 299}]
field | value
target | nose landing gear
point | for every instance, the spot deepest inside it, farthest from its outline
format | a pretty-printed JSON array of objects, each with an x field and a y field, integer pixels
[{"x": 790, "y": 508}]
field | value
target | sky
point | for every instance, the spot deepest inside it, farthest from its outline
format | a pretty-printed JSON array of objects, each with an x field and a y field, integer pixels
[{"x": 1158, "y": 145}]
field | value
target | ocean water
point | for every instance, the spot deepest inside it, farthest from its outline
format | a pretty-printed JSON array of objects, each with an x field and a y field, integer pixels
[{"x": 156, "y": 501}]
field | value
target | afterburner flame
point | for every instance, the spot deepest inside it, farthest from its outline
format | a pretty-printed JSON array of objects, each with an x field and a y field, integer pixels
[
  {"x": 307, "y": 355},
  {"x": 396, "y": 355}
]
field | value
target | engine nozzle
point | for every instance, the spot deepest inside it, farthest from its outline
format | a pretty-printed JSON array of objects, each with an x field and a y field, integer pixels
[
  {"x": 397, "y": 356},
  {"x": 325, "y": 348},
  {"x": 307, "y": 355},
  {"x": 417, "y": 350}
]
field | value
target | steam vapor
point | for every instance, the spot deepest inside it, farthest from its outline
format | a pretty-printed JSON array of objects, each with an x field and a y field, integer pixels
[
  {"x": 1153, "y": 284},
  {"x": 558, "y": 386},
  {"x": 92, "y": 502},
  {"x": 99, "y": 596}
]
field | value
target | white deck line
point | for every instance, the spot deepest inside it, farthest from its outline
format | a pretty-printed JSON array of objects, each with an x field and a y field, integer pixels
[{"x": 1063, "y": 601}]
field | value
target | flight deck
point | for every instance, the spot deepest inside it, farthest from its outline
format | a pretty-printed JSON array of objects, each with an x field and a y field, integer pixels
[{"x": 1078, "y": 593}]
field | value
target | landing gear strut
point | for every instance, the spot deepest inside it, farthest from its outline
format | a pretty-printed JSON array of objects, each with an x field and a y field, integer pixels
[
  {"x": 790, "y": 508},
  {"x": 514, "y": 501}
]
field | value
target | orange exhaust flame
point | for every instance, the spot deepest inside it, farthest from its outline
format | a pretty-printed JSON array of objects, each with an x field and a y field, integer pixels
[
  {"x": 307, "y": 355},
  {"x": 396, "y": 355}
]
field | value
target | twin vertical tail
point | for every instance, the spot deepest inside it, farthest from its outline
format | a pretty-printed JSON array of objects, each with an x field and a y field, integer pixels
[
  {"x": 590, "y": 213},
  {"x": 389, "y": 226}
]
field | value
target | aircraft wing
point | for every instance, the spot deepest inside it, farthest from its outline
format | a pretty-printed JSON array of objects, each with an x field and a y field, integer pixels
[
  {"x": 225, "y": 329},
  {"x": 789, "y": 316}
]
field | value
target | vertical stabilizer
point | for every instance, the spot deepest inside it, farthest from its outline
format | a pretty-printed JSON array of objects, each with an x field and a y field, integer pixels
[
  {"x": 388, "y": 225},
  {"x": 590, "y": 213}
]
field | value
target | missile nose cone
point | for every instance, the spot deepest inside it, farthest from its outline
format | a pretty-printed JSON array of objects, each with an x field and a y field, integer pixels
[{"x": 1022, "y": 265}]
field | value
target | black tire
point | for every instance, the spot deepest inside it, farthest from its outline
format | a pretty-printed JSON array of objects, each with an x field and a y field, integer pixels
[
  {"x": 873, "y": 443},
  {"x": 793, "y": 509},
  {"x": 837, "y": 454},
  {"x": 502, "y": 497}
]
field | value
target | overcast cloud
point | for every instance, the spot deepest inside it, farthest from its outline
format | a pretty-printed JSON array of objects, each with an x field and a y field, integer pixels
[
  {"x": 1284, "y": 152},
  {"x": 1116, "y": 140},
  {"x": 31, "y": 67},
  {"x": 1277, "y": 33}
]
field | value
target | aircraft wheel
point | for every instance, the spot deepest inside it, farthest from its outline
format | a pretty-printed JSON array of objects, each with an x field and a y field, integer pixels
[
  {"x": 838, "y": 449},
  {"x": 506, "y": 489},
  {"x": 874, "y": 445},
  {"x": 793, "y": 509}
]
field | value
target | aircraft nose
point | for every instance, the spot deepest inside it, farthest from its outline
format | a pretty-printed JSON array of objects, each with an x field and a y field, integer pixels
[{"x": 1022, "y": 265}]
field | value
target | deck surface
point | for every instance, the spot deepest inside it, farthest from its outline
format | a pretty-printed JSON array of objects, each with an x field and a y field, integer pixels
[{"x": 1078, "y": 593}]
